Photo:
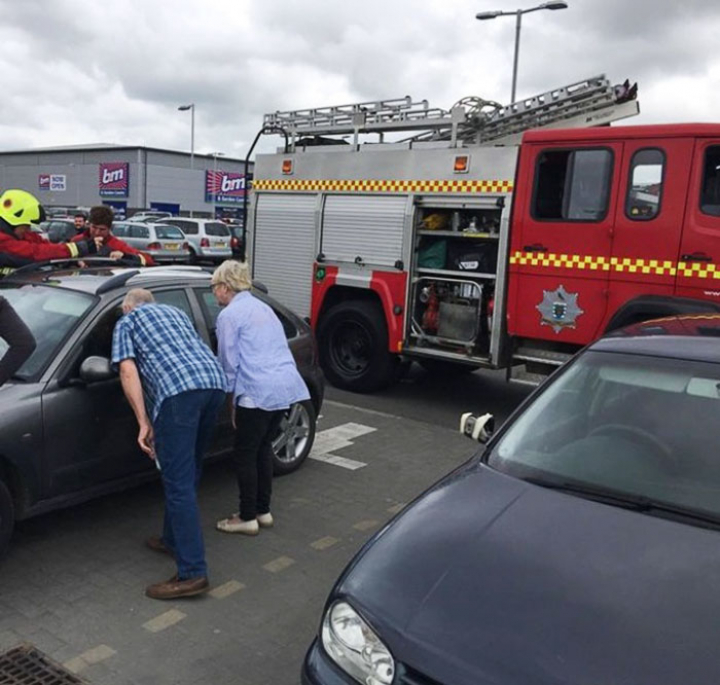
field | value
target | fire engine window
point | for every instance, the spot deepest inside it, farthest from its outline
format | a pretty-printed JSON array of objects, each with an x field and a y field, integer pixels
[
  {"x": 710, "y": 198},
  {"x": 572, "y": 185},
  {"x": 646, "y": 180}
]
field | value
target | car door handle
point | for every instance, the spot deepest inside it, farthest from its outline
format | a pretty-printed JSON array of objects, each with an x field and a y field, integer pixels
[
  {"x": 535, "y": 247},
  {"x": 696, "y": 257}
]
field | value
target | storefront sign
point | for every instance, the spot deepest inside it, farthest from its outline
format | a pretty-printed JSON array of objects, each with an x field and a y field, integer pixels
[
  {"x": 224, "y": 186},
  {"x": 52, "y": 182},
  {"x": 114, "y": 179}
]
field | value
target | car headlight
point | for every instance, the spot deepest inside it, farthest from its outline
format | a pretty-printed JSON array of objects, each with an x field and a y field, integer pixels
[{"x": 355, "y": 648}]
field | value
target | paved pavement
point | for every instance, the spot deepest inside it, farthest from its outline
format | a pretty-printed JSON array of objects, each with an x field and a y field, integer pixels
[{"x": 73, "y": 581}]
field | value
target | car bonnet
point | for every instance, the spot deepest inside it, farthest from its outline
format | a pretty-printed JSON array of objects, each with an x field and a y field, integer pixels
[{"x": 490, "y": 579}]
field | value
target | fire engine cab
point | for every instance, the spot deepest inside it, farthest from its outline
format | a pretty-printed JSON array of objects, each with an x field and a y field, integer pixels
[{"x": 499, "y": 237}]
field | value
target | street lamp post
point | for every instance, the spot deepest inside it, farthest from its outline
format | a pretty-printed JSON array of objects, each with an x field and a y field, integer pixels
[
  {"x": 185, "y": 108},
  {"x": 559, "y": 5}
]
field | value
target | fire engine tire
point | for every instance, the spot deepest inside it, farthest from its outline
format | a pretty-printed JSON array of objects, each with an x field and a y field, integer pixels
[
  {"x": 7, "y": 517},
  {"x": 445, "y": 367},
  {"x": 353, "y": 345}
]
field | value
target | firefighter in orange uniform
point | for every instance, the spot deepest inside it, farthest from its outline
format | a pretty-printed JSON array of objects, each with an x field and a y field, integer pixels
[
  {"x": 19, "y": 245},
  {"x": 100, "y": 227}
]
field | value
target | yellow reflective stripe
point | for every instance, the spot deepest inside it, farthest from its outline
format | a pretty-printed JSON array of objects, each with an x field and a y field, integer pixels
[
  {"x": 385, "y": 185},
  {"x": 74, "y": 251},
  {"x": 143, "y": 261},
  {"x": 628, "y": 265},
  {"x": 6, "y": 270}
]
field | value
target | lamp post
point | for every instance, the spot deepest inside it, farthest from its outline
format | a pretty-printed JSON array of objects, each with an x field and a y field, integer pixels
[
  {"x": 559, "y": 5},
  {"x": 215, "y": 159},
  {"x": 185, "y": 108}
]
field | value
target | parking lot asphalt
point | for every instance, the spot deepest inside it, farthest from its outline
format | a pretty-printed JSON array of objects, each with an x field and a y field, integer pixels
[{"x": 73, "y": 581}]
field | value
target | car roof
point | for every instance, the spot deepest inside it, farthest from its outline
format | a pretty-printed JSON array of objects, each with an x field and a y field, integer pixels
[
  {"x": 98, "y": 280},
  {"x": 686, "y": 336}
]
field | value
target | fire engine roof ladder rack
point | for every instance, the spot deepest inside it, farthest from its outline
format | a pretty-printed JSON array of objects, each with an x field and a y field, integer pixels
[{"x": 589, "y": 102}]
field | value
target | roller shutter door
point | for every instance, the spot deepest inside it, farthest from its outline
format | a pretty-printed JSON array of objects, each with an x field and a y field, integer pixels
[
  {"x": 284, "y": 248},
  {"x": 364, "y": 226}
]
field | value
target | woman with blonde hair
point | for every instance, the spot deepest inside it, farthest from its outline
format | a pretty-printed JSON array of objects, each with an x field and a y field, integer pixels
[{"x": 263, "y": 381}]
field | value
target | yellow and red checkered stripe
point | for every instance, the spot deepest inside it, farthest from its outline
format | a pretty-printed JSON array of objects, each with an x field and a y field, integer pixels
[
  {"x": 383, "y": 186},
  {"x": 629, "y": 265}
]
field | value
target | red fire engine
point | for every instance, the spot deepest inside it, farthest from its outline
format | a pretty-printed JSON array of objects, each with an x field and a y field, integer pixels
[{"x": 462, "y": 247}]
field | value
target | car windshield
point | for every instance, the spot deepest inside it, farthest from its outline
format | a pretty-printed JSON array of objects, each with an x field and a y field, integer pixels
[
  {"x": 216, "y": 228},
  {"x": 636, "y": 425},
  {"x": 50, "y": 313},
  {"x": 169, "y": 233}
]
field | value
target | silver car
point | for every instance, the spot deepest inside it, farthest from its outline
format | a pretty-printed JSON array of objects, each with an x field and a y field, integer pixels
[
  {"x": 162, "y": 243},
  {"x": 209, "y": 239}
]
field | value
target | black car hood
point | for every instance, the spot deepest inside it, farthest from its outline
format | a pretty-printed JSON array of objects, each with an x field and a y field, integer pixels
[{"x": 488, "y": 579}]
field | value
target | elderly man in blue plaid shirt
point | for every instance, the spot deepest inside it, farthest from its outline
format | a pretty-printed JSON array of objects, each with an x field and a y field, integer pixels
[{"x": 163, "y": 360}]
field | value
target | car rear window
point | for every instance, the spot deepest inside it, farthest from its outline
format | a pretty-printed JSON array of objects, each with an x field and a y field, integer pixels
[
  {"x": 216, "y": 228},
  {"x": 169, "y": 233}
]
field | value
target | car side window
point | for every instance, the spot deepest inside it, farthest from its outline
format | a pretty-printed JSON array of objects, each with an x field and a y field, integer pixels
[
  {"x": 139, "y": 232},
  {"x": 119, "y": 230},
  {"x": 175, "y": 298}
]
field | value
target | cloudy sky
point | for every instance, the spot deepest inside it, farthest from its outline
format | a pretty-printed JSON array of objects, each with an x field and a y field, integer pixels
[{"x": 82, "y": 71}]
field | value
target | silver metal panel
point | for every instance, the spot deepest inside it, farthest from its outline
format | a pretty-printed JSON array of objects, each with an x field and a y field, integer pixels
[
  {"x": 367, "y": 227},
  {"x": 284, "y": 247}
]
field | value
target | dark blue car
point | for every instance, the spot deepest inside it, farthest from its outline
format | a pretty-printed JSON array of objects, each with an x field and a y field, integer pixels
[{"x": 580, "y": 546}]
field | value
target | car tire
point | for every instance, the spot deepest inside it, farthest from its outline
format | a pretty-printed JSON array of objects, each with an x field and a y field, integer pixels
[
  {"x": 353, "y": 346},
  {"x": 7, "y": 517},
  {"x": 295, "y": 438}
]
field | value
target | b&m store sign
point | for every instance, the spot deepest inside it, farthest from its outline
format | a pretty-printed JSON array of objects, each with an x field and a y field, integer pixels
[
  {"x": 114, "y": 179},
  {"x": 224, "y": 186}
]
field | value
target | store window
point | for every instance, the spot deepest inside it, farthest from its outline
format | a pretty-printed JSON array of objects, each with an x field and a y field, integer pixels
[
  {"x": 646, "y": 182},
  {"x": 572, "y": 185},
  {"x": 710, "y": 191}
]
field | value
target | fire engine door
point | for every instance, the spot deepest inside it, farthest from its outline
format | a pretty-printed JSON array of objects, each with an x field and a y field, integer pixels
[
  {"x": 562, "y": 241},
  {"x": 698, "y": 273},
  {"x": 649, "y": 218}
]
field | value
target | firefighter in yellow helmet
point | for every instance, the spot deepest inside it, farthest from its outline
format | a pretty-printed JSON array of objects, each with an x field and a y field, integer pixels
[{"x": 19, "y": 245}]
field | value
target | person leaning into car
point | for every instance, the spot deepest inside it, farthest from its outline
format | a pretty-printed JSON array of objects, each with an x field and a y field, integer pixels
[
  {"x": 159, "y": 353},
  {"x": 100, "y": 228},
  {"x": 19, "y": 246},
  {"x": 20, "y": 341},
  {"x": 264, "y": 382}
]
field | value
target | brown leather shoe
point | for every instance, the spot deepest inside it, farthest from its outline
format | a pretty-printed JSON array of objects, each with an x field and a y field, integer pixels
[
  {"x": 155, "y": 543},
  {"x": 175, "y": 588}
]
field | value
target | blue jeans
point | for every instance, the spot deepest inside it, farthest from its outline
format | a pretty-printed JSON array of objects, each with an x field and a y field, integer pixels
[{"x": 183, "y": 428}]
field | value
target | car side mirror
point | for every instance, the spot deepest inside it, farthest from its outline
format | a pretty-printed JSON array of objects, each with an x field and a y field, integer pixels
[
  {"x": 479, "y": 428},
  {"x": 96, "y": 369}
]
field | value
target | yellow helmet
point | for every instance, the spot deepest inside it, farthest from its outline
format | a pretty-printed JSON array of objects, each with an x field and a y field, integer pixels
[{"x": 18, "y": 207}]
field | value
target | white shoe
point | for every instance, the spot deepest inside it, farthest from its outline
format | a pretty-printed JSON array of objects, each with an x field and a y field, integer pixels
[
  {"x": 265, "y": 520},
  {"x": 231, "y": 525}
]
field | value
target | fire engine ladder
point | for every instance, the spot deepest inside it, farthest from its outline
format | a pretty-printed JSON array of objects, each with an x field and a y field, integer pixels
[{"x": 590, "y": 102}]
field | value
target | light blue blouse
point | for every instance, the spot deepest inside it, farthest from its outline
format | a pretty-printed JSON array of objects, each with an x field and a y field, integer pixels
[{"x": 255, "y": 356}]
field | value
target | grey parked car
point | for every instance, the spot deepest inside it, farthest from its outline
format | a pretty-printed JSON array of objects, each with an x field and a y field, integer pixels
[
  {"x": 209, "y": 239},
  {"x": 162, "y": 243},
  {"x": 59, "y": 230},
  {"x": 67, "y": 434}
]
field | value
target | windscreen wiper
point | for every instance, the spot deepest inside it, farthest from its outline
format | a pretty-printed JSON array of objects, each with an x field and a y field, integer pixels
[{"x": 630, "y": 501}]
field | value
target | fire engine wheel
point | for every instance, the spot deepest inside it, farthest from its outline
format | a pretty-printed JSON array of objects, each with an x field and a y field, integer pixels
[{"x": 353, "y": 343}]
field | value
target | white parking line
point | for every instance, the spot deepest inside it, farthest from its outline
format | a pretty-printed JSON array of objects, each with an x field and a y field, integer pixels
[{"x": 332, "y": 439}]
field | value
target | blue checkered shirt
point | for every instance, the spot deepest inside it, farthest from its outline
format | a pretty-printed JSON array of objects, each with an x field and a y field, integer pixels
[{"x": 170, "y": 355}]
